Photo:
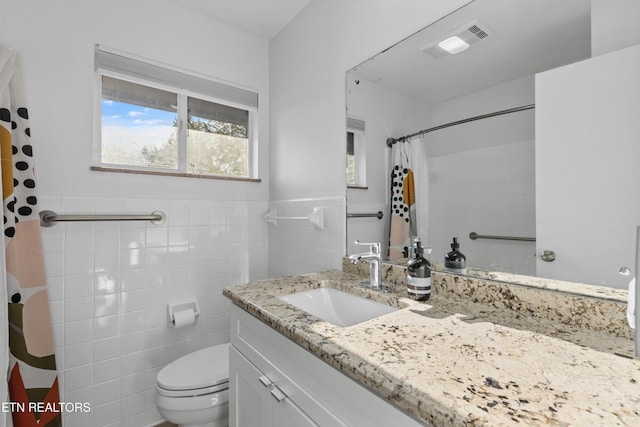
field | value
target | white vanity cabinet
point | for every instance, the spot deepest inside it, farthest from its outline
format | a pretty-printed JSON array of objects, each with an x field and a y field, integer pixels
[
  {"x": 275, "y": 382},
  {"x": 587, "y": 163}
]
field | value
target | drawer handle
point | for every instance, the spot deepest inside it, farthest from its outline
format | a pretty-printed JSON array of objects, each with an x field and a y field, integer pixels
[
  {"x": 278, "y": 394},
  {"x": 265, "y": 381}
]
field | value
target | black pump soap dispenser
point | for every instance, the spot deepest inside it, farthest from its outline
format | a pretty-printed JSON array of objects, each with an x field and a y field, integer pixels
[
  {"x": 419, "y": 274},
  {"x": 455, "y": 261}
]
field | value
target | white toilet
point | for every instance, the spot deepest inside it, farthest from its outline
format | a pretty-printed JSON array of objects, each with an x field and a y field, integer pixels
[{"x": 193, "y": 391}]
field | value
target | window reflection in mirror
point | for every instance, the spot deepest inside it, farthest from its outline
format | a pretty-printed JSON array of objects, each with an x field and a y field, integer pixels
[
  {"x": 356, "y": 153},
  {"x": 351, "y": 159}
]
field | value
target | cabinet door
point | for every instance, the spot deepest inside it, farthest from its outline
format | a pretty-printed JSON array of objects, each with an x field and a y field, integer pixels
[
  {"x": 587, "y": 157},
  {"x": 250, "y": 400},
  {"x": 287, "y": 414},
  {"x": 256, "y": 401}
]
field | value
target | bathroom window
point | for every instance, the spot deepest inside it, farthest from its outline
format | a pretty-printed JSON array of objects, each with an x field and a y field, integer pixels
[
  {"x": 159, "y": 120},
  {"x": 356, "y": 166},
  {"x": 351, "y": 158}
]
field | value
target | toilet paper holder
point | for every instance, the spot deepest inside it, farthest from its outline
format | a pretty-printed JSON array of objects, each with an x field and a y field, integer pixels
[{"x": 174, "y": 308}]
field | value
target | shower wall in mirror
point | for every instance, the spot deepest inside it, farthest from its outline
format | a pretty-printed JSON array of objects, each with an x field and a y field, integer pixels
[{"x": 478, "y": 176}]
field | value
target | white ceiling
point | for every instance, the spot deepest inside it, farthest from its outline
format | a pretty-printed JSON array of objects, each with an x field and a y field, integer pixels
[
  {"x": 263, "y": 18},
  {"x": 527, "y": 37}
]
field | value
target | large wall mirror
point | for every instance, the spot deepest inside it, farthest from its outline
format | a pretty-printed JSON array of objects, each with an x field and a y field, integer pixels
[{"x": 485, "y": 176}]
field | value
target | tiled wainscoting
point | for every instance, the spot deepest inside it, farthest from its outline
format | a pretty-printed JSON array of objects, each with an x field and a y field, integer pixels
[
  {"x": 297, "y": 247},
  {"x": 110, "y": 283}
]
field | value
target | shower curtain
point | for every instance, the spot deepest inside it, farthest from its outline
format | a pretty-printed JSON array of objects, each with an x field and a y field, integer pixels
[
  {"x": 409, "y": 196},
  {"x": 403, "y": 215},
  {"x": 30, "y": 365}
]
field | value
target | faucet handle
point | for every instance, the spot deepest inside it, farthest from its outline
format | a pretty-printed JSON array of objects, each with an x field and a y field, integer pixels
[{"x": 374, "y": 247}]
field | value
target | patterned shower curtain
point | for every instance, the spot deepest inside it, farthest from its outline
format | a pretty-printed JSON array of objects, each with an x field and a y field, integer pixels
[
  {"x": 403, "y": 197},
  {"x": 33, "y": 380}
]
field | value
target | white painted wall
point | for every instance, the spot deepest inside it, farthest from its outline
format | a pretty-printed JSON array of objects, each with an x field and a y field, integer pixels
[
  {"x": 488, "y": 132},
  {"x": 110, "y": 282},
  {"x": 308, "y": 62},
  {"x": 614, "y": 25}
]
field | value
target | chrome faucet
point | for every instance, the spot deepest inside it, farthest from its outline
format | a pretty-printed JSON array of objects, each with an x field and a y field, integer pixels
[{"x": 375, "y": 264}]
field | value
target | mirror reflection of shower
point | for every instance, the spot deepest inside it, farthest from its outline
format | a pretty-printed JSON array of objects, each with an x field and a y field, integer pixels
[{"x": 477, "y": 176}]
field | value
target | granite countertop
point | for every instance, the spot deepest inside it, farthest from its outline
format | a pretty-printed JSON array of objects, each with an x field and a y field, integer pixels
[{"x": 453, "y": 362}]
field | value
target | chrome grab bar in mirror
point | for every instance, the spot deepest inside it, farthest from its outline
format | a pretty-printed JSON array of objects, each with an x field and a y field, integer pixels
[
  {"x": 378, "y": 215},
  {"x": 473, "y": 236}
]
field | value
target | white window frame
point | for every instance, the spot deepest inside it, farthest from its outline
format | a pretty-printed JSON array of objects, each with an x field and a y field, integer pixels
[
  {"x": 357, "y": 126},
  {"x": 123, "y": 66}
]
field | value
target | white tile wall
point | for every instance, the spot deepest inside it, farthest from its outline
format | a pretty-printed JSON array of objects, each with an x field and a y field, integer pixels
[
  {"x": 504, "y": 206},
  {"x": 297, "y": 247},
  {"x": 110, "y": 282}
]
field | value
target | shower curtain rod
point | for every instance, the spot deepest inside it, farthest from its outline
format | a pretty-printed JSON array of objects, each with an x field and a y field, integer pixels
[{"x": 391, "y": 141}]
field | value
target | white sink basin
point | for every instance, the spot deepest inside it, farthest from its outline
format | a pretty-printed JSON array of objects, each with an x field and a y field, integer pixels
[{"x": 337, "y": 307}]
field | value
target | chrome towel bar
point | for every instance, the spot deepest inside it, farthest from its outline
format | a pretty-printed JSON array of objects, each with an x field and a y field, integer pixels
[
  {"x": 49, "y": 218},
  {"x": 473, "y": 236},
  {"x": 378, "y": 215}
]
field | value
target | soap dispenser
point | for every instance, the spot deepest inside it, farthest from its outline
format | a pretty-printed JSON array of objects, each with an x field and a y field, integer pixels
[
  {"x": 418, "y": 274},
  {"x": 455, "y": 261}
]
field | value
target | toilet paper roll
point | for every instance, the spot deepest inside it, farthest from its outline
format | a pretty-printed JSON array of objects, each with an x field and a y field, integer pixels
[{"x": 184, "y": 318}]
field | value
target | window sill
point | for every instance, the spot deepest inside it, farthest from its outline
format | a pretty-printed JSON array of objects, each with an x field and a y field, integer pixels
[
  {"x": 178, "y": 174},
  {"x": 357, "y": 187}
]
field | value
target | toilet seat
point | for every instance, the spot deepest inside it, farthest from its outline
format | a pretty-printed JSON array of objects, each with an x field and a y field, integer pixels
[
  {"x": 193, "y": 392},
  {"x": 199, "y": 373}
]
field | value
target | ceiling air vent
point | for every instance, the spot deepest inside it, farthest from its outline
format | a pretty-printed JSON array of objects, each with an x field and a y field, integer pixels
[
  {"x": 471, "y": 33},
  {"x": 478, "y": 32}
]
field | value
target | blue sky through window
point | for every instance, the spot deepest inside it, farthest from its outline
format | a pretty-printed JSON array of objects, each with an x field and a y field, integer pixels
[
  {"x": 121, "y": 114},
  {"x": 127, "y": 129}
]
